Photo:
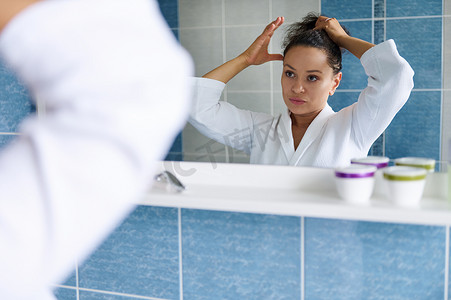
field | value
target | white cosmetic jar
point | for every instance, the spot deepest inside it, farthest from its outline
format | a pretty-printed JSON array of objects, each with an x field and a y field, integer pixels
[
  {"x": 377, "y": 161},
  {"x": 355, "y": 183},
  {"x": 417, "y": 162},
  {"x": 404, "y": 185}
]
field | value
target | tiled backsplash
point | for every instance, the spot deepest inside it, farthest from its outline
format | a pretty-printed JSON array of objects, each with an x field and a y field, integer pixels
[{"x": 169, "y": 253}]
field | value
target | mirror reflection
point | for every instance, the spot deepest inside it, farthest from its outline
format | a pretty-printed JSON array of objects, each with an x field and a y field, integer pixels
[{"x": 218, "y": 32}]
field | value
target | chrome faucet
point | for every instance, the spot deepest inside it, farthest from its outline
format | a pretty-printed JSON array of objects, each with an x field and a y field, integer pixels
[{"x": 172, "y": 184}]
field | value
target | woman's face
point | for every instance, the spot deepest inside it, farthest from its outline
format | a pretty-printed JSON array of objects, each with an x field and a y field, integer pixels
[{"x": 307, "y": 80}]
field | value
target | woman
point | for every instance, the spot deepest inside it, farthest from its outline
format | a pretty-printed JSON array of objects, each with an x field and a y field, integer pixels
[{"x": 310, "y": 133}]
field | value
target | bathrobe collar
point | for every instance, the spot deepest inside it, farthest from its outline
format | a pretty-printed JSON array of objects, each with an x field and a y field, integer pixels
[{"x": 313, "y": 132}]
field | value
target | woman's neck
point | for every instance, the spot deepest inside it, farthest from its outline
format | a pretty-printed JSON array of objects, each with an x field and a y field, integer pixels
[
  {"x": 304, "y": 120},
  {"x": 299, "y": 125}
]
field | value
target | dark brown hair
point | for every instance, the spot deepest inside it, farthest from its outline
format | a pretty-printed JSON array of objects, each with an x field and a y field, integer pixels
[{"x": 302, "y": 34}]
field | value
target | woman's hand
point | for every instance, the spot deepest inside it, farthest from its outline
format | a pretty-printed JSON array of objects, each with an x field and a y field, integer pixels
[
  {"x": 333, "y": 29},
  {"x": 257, "y": 53}
]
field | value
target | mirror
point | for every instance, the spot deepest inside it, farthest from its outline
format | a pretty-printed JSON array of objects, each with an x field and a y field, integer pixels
[{"x": 217, "y": 31}]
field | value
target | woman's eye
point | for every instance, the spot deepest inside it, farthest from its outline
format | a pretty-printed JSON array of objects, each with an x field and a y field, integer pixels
[
  {"x": 312, "y": 78},
  {"x": 289, "y": 74}
]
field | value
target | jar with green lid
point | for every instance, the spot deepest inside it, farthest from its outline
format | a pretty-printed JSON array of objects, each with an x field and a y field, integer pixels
[
  {"x": 417, "y": 162},
  {"x": 404, "y": 185}
]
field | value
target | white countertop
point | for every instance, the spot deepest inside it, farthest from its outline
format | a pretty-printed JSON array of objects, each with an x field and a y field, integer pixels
[{"x": 293, "y": 191}]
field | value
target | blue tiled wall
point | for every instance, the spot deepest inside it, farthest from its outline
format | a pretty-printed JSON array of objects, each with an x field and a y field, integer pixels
[
  {"x": 240, "y": 256},
  {"x": 169, "y": 9},
  {"x": 365, "y": 260},
  {"x": 416, "y": 27},
  {"x": 227, "y": 255},
  {"x": 149, "y": 238},
  {"x": 15, "y": 104}
]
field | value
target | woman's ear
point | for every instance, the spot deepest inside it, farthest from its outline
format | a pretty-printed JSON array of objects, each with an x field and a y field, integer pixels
[{"x": 335, "y": 83}]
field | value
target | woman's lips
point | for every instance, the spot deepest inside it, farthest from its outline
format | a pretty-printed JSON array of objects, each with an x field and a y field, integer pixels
[{"x": 296, "y": 101}]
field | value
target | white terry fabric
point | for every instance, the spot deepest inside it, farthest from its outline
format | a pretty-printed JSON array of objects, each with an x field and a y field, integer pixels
[
  {"x": 332, "y": 139},
  {"x": 114, "y": 82}
]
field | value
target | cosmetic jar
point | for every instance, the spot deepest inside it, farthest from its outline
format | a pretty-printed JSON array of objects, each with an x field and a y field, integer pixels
[
  {"x": 417, "y": 162},
  {"x": 377, "y": 161},
  {"x": 404, "y": 185},
  {"x": 355, "y": 183}
]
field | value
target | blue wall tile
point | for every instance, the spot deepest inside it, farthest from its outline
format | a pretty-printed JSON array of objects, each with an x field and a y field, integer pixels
[
  {"x": 377, "y": 149},
  {"x": 354, "y": 76},
  {"x": 240, "y": 256},
  {"x": 15, "y": 103},
  {"x": 347, "y": 9},
  {"x": 141, "y": 257},
  {"x": 379, "y": 8},
  {"x": 379, "y": 32},
  {"x": 71, "y": 280},
  {"x": 169, "y": 10},
  {"x": 419, "y": 41},
  {"x": 343, "y": 99},
  {"x": 176, "y": 33},
  {"x": 5, "y": 139},
  {"x": 175, "y": 153},
  {"x": 415, "y": 131},
  {"x": 65, "y": 294},
  {"x": 405, "y": 8},
  {"x": 365, "y": 260}
]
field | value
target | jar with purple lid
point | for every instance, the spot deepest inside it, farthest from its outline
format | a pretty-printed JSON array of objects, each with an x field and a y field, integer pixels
[
  {"x": 355, "y": 183},
  {"x": 377, "y": 161}
]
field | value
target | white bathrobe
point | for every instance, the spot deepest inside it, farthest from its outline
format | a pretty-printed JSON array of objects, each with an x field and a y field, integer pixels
[
  {"x": 332, "y": 139},
  {"x": 102, "y": 69}
]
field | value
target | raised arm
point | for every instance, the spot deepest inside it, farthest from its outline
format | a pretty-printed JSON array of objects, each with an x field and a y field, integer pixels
[
  {"x": 87, "y": 162},
  {"x": 341, "y": 38},
  {"x": 256, "y": 54}
]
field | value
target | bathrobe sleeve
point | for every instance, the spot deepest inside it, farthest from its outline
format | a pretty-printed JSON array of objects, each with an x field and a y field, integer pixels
[
  {"x": 390, "y": 81},
  {"x": 222, "y": 121},
  {"x": 104, "y": 69}
]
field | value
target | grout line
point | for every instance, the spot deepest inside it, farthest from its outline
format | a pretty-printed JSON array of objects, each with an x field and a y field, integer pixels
[
  {"x": 224, "y": 59},
  {"x": 372, "y": 21},
  {"x": 271, "y": 68},
  {"x": 119, "y": 294},
  {"x": 390, "y": 18},
  {"x": 340, "y": 20},
  {"x": 441, "y": 140},
  {"x": 77, "y": 280},
  {"x": 302, "y": 259},
  {"x": 446, "y": 263},
  {"x": 442, "y": 77},
  {"x": 385, "y": 20},
  {"x": 64, "y": 286},
  {"x": 180, "y": 253}
]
